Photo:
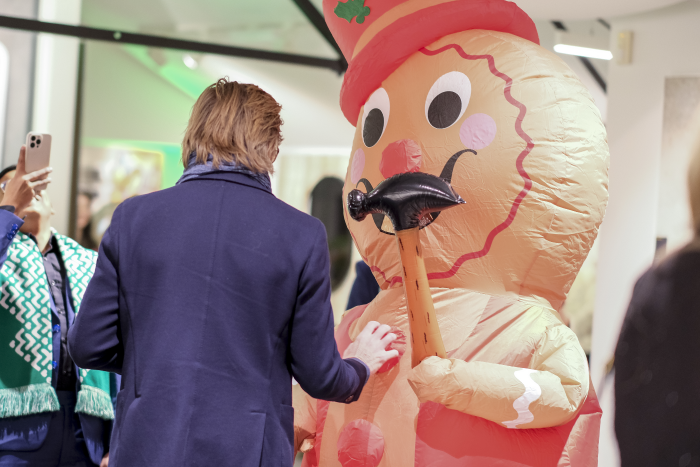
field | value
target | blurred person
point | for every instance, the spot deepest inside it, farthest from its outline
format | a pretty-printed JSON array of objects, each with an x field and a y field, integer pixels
[
  {"x": 209, "y": 296},
  {"x": 83, "y": 220},
  {"x": 51, "y": 412},
  {"x": 6, "y": 174},
  {"x": 657, "y": 382},
  {"x": 364, "y": 288}
]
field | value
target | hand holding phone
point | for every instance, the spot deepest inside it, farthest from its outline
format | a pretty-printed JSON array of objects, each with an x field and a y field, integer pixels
[
  {"x": 38, "y": 153},
  {"x": 21, "y": 189}
]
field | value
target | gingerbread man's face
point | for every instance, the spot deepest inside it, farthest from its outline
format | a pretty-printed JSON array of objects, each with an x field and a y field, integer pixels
[{"x": 520, "y": 140}]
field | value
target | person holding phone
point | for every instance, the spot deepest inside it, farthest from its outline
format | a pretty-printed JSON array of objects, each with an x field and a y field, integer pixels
[{"x": 52, "y": 413}]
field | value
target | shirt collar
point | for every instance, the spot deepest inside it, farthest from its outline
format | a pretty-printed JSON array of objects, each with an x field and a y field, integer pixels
[{"x": 53, "y": 244}]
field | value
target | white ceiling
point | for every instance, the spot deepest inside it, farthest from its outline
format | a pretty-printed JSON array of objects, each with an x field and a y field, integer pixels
[
  {"x": 279, "y": 25},
  {"x": 308, "y": 95},
  {"x": 276, "y": 25},
  {"x": 589, "y": 9}
]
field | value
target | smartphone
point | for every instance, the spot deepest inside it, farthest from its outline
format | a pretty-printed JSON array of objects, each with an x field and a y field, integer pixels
[{"x": 38, "y": 153}]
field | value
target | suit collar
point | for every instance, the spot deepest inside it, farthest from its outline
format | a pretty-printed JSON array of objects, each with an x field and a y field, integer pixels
[{"x": 231, "y": 177}]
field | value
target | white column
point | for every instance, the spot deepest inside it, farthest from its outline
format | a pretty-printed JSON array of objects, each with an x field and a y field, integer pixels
[
  {"x": 4, "y": 88},
  {"x": 55, "y": 87}
]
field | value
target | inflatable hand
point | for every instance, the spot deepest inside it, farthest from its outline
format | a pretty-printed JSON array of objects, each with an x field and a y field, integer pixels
[
  {"x": 304, "y": 420},
  {"x": 547, "y": 394}
]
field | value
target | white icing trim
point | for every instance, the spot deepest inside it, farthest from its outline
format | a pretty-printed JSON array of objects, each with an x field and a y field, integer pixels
[{"x": 521, "y": 404}]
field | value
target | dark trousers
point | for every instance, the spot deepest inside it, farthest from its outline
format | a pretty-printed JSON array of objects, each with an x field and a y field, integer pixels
[{"x": 64, "y": 445}]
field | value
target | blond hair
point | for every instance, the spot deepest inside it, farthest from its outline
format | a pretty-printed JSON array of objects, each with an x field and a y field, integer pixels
[{"x": 234, "y": 122}]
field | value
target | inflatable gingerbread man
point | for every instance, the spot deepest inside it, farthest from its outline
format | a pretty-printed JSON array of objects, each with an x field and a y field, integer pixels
[{"x": 461, "y": 89}]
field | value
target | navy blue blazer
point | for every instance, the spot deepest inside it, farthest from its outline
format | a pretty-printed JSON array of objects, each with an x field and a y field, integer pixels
[{"x": 208, "y": 297}]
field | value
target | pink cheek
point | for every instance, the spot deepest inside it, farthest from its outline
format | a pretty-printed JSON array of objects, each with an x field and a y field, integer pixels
[
  {"x": 478, "y": 131},
  {"x": 358, "y": 166}
]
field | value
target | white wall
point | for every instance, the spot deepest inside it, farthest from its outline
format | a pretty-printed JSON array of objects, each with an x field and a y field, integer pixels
[
  {"x": 680, "y": 119},
  {"x": 4, "y": 90},
  {"x": 55, "y": 87},
  {"x": 665, "y": 44}
]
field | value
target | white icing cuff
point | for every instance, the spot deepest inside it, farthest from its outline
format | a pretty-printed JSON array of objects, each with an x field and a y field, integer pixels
[{"x": 521, "y": 404}]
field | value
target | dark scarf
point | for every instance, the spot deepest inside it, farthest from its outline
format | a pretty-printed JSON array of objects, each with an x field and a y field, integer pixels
[{"x": 194, "y": 170}]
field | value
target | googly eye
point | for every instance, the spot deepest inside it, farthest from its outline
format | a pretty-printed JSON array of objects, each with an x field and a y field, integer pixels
[
  {"x": 448, "y": 99},
  {"x": 375, "y": 117}
]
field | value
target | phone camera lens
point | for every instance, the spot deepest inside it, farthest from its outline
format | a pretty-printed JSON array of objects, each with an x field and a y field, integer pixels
[
  {"x": 38, "y": 142},
  {"x": 31, "y": 145},
  {"x": 33, "y": 138}
]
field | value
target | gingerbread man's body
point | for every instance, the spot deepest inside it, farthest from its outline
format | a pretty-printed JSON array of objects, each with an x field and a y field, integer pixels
[
  {"x": 499, "y": 336},
  {"x": 520, "y": 139}
]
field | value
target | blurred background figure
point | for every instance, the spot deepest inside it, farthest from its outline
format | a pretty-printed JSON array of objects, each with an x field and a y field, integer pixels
[
  {"x": 83, "y": 218},
  {"x": 6, "y": 174},
  {"x": 365, "y": 287},
  {"x": 326, "y": 202},
  {"x": 657, "y": 382}
]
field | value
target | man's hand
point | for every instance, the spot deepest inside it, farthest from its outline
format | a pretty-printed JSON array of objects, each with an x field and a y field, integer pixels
[
  {"x": 19, "y": 191},
  {"x": 370, "y": 346},
  {"x": 105, "y": 461}
]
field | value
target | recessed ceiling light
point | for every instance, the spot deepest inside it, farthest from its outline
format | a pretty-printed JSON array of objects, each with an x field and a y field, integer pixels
[
  {"x": 189, "y": 61},
  {"x": 583, "y": 51}
]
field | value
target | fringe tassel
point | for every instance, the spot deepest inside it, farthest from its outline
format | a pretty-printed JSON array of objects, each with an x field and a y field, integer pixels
[
  {"x": 94, "y": 401},
  {"x": 28, "y": 400}
]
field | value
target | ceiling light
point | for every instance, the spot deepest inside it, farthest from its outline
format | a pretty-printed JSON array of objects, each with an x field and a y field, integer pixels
[
  {"x": 583, "y": 51},
  {"x": 189, "y": 61}
]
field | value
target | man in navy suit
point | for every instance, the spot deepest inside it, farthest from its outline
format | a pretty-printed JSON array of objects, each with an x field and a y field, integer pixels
[{"x": 209, "y": 296}]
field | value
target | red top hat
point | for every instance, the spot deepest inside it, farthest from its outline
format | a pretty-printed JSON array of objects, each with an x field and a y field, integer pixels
[{"x": 377, "y": 36}]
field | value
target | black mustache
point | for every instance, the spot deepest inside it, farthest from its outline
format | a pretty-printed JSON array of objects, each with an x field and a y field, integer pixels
[{"x": 446, "y": 175}]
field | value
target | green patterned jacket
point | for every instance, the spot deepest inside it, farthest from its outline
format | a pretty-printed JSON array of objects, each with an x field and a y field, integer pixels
[{"x": 25, "y": 331}]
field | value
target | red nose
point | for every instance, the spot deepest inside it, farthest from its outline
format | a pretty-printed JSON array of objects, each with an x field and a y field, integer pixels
[{"x": 400, "y": 157}]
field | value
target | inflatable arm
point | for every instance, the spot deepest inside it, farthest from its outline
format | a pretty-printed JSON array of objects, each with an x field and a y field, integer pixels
[
  {"x": 304, "y": 419},
  {"x": 548, "y": 393}
]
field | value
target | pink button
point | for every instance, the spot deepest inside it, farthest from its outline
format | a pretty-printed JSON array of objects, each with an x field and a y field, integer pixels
[{"x": 360, "y": 444}]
